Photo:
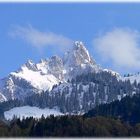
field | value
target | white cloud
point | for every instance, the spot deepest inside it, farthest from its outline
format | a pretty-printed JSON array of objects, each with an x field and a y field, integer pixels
[
  {"x": 121, "y": 47},
  {"x": 40, "y": 39}
]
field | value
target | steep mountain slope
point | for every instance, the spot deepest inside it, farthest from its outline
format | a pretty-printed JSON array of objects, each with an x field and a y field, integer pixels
[
  {"x": 37, "y": 79},
  {"x": 89, "y": 90},
  {"x": 80, "y": 94},
  {"x": 78, "y": 61},
  {"x": 34, "y": 78}
]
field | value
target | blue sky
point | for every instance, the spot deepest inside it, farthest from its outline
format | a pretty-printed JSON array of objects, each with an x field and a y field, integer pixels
[{"x": 92, "y": 23}]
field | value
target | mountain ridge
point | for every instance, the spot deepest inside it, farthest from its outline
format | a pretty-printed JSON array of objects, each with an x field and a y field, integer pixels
[{"x": 44, "y": 75}]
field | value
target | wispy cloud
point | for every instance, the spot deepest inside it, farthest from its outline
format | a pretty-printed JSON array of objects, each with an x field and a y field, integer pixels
[
  {"x": 39, "y": 39},
  {"x": 120, "y": 47}
]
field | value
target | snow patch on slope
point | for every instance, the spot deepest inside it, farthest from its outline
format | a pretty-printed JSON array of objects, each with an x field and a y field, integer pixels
[
  {"x": 37, "y": 79},
  {"x": 2, "y": 98},
  {"x": 112, "y": 72},
  {"x": 28, "y": 111},
  {"x": 132, "y": 78}
]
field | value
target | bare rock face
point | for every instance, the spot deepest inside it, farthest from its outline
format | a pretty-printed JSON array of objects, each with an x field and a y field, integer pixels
[
  {"x": 30, "y": 65},
  {"x": 56, "y": 67},
  {"x": 77, "y": 56},
  {"x": 78, "y": 61}
]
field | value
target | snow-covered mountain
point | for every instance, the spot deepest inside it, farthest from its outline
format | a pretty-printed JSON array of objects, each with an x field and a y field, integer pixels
[
  {"x": 33, "y": 78},
  {"x": 74, "y": 83}
]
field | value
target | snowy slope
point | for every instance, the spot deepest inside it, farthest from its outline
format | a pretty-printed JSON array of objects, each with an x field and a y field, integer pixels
[
  {"x": 132, "y": 78},
  {"x": 28, "y": 111},
  {"x": 2, "y": 98},
  {"x": 38, "y": 80}
]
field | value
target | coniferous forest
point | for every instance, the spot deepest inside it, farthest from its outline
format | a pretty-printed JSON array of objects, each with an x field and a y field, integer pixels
[
  {"x": 125, "y": 110},
  {"x": 69, "y": 126},
  {"x": 116, "y": 119}
]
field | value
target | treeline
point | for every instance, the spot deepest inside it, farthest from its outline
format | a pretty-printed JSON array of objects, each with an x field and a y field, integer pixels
[
  {"x": 68, "y": 126},
  {"x": 127, "y": 109},
  {"x": 84, "y": 93},
  {"x": 116, "y": 119}
]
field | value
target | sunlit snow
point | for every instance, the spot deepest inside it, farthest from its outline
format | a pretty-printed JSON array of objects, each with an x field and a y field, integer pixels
[
  {"x": 28, "y": 111},
  {"x": 132, "y": 78},
  {"x": 39, "y": 81}
]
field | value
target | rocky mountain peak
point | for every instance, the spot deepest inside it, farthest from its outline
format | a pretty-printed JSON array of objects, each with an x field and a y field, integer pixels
[
  {"x": 43, "y": 61},
  {"x": 30, "y": 65},
  {"x": 78, "y": 55},
  {"x": 78, "y": 44},
  {"x": 55, "y": 61}
]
